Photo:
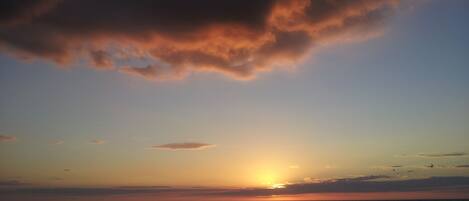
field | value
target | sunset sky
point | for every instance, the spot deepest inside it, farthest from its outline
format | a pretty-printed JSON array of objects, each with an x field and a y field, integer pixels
[{"x": 229, "y": 100}]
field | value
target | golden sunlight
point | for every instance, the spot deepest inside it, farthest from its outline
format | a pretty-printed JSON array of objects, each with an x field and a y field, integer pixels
[{"x": 268, "y": 178}]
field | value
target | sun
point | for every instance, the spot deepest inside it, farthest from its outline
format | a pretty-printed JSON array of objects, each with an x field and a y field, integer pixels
[
  {"x": 269, "y": 174},
  {"x": 270, "y": 179},
  {"x": 267, "y": 178}
]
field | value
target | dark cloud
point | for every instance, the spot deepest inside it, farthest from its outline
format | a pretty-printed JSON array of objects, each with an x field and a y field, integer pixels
[
  {"x": 361, "y": 185},
  {"x": 236, "y": 38},
  {"x": 346, "y": 185},
  {"x": 101, "y": 59},
  {"x": 364, "y": 178},
  {"x": 15, "y": 12},
  {"x": 184, "y": 146},
  {"x": 462, "y": 166},
  {"x": 442, "y": 155},
  {"x": 7, "y": 138},
  {"x": 107, "y": 191}
]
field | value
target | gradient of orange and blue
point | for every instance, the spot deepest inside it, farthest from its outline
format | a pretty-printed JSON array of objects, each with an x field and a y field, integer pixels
[{"x": 245, "y": 100}]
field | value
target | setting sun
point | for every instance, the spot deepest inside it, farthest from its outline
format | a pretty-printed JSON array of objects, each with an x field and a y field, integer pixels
[
  {"x": 271, "y": 178},
  {"x": 267, "y": 178}
]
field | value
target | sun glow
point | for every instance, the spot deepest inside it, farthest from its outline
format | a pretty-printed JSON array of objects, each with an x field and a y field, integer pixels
[
  {"x": 270, "y": 179},
  {"x": 267, "y": 178}
]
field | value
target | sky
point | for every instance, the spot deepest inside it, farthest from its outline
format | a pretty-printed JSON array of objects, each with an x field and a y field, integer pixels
[{"x": 251, "y": 100}]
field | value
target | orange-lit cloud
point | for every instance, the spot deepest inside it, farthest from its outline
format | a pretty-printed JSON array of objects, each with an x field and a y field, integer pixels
[
  {"x": 184, "y": 146},
  {"x": 7, "y": 138},
  {"x": 236, "y": 38}
]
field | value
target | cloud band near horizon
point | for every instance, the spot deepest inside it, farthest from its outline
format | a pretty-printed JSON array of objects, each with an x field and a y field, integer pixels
[{"x": 366, "y": 184}]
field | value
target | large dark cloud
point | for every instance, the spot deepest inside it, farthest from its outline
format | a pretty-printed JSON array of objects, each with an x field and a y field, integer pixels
[{"x": 236, "y": 38}]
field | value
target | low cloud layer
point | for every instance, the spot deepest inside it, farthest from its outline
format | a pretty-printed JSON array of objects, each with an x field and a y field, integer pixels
[
  {"x": 184, "y": 146},
  {"x": 7, "y": 138},
  {"x": 174, "y": 38},
  {"x": 346, "y": 185},
  {"x": 362, "y": 184}
]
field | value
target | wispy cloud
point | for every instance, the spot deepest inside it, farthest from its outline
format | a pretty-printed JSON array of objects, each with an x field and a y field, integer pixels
[
  {"x": 6, "y": 183},
  {"x": 435, "y": 155},
  {"x": 7, "y": 138},
  {"x": 57, "y": 142},
  {"x": 184, "y": 146},
  {"x": 97, "y": 141},
  {"x": 442, "y": 155}
]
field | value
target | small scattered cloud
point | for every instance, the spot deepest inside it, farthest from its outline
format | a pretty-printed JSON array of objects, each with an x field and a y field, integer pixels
[
  {"x": 396, "y": 166},
  {"x": 67, "y": 170},
  {"x": 7, "y": 138},
  {"x": 434, "y": 155},
  {"x": 442, "y": 155},
  {"x": 184, "y": 146},
  {"x": 97, "y": 141},
  {"x": 57, "y": 142}
]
